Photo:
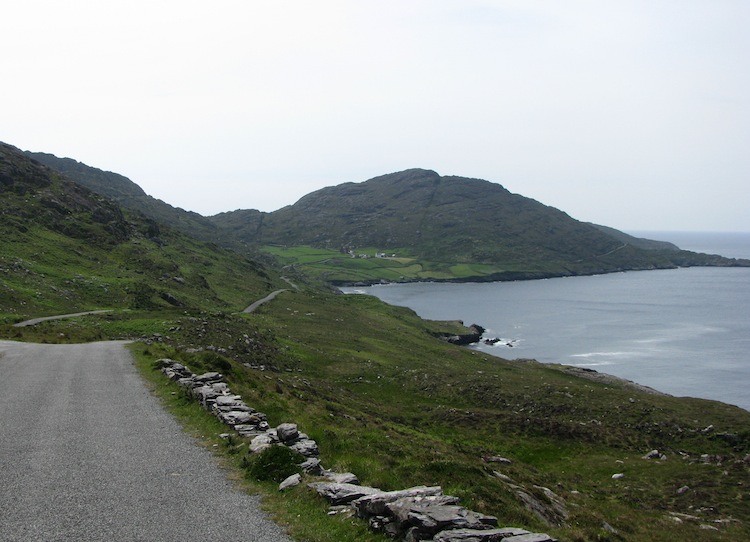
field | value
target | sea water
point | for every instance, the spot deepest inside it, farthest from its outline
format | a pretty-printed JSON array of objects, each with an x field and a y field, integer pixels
[{"x": 685, "y": 331}]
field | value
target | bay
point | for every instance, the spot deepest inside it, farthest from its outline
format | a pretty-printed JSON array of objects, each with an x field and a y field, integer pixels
[{"x": 685, "y": 332}]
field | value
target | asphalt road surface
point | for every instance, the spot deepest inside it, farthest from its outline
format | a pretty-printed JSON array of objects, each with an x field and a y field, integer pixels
[{"x": 87, "y": 453}]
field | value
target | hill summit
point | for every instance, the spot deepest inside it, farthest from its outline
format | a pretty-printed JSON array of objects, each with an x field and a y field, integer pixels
[{"x": 456, "y": 220}]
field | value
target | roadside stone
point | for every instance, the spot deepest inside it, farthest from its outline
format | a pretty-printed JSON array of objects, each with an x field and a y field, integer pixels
[
  {"x": 235, "y": 417},
  {"x": 312, "y": 466},
  {"x": 208, "y": 377},
  {"x": 287, "y": 432},
  {"x": 341, "y": 493},
  {"x": 479, "y": 535},
  {"x": 423, "y": 522},
  {"x": 376, "y": 504},
  {"x": 306, "y": 447},
  {"x": 291, "y": 481},
  {"x": 261, "y": 442}
]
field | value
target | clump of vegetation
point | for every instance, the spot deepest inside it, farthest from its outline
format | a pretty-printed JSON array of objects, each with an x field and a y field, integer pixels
[{"x": 274, "y": 464}]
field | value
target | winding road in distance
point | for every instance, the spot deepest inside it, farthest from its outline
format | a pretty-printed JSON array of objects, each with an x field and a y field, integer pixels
[{"x": 87, "y": 453}]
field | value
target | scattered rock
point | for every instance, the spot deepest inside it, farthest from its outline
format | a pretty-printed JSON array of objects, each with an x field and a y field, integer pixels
[
  {"x": 618, "y": 476},
  {"x": 287, "y": 432},
  {"x": 481, "y": 535},
  {"x": 293, "y": 480},
  {"x": 312, "y": 466},
  {"x": 306, "y": 447},
  {"x": 655, "y": 454},
  {"x": 261, "y": 442},
  {"x": 341, "y": 493},
  {"x": 376, "y": 504}
]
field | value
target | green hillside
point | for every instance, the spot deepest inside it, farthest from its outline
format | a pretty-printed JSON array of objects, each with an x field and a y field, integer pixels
[
  {"x": 64, "y": 249},
  {"x": 376, "y": 386},
  {"x": 129, "y": 195},
  {"x": 450, "y": 228}
]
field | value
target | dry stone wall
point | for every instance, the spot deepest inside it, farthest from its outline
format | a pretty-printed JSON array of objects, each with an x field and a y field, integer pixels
[{"x": 414, "y": 514}]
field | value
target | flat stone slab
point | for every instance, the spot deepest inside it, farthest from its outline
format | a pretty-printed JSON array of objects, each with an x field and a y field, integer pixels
[
  {"x": 376, "y": 504},
  {"x": 341, "y": 493}
]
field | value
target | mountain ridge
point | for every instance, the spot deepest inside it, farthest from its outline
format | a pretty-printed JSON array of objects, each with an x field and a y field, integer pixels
[{"x": 442, "y": 221}]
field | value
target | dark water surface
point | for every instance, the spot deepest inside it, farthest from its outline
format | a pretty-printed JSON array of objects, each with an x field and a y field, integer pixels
[{"x": 681, "y": 331}]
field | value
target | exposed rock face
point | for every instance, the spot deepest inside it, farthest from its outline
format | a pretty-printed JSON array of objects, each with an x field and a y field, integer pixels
[{"x": 473, "y": 336}]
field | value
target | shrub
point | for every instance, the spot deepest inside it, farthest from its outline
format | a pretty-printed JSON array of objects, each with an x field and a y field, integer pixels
[{"x": 273, "y": 464}]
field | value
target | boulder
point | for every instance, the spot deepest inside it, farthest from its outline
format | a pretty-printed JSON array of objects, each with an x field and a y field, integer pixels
[
  {"x": 341, "y": 493},
  {"x": 376, "y": 504},
  {"x": 293, "y": 480},
  {"x": 261, "y": 442},
  {"x": 306, "y": 447},
  {"x": 287, "y": 432},
  {"x": 312, "y": 466},
  {"x": 422, "y": 522},
  {"x": 235, "y": 417},
  {"x": 479, "y": 535},
  {"x": 655, "y": 454},
  {"x": 208, "y": 377}
]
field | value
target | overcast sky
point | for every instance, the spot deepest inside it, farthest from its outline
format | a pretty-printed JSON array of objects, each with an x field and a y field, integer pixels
[{"x": 633, "y": 114}]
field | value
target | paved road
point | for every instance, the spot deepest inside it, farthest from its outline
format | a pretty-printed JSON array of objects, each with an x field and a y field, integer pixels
[
  {"x": 35, "y": 321},
  {"x": 87, "y": 453},
  {"x": 266, "y": 299}
]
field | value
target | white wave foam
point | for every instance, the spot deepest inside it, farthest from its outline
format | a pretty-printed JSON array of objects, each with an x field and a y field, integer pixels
[
  {"x": 593, "y": 364},
  {"x": 617, "y": 354}
]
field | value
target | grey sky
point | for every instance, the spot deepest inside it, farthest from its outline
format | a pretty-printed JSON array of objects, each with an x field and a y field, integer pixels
[{"x": 634, "y": 114}]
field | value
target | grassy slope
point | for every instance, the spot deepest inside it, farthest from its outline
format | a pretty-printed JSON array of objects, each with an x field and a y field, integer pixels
[
  {"x": 388, "y": 401},
  {"x": 65, "y": 249},
  {"x": 454, "y": 228}
]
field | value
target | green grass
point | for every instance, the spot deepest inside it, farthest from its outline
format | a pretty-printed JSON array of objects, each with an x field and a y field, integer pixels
[
  {"x": 387, "y": 400},
  {"x": 334, "y": 267}
]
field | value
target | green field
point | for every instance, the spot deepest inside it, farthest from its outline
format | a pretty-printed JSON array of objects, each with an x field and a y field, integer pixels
[{"x": 334, "y": 267}]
